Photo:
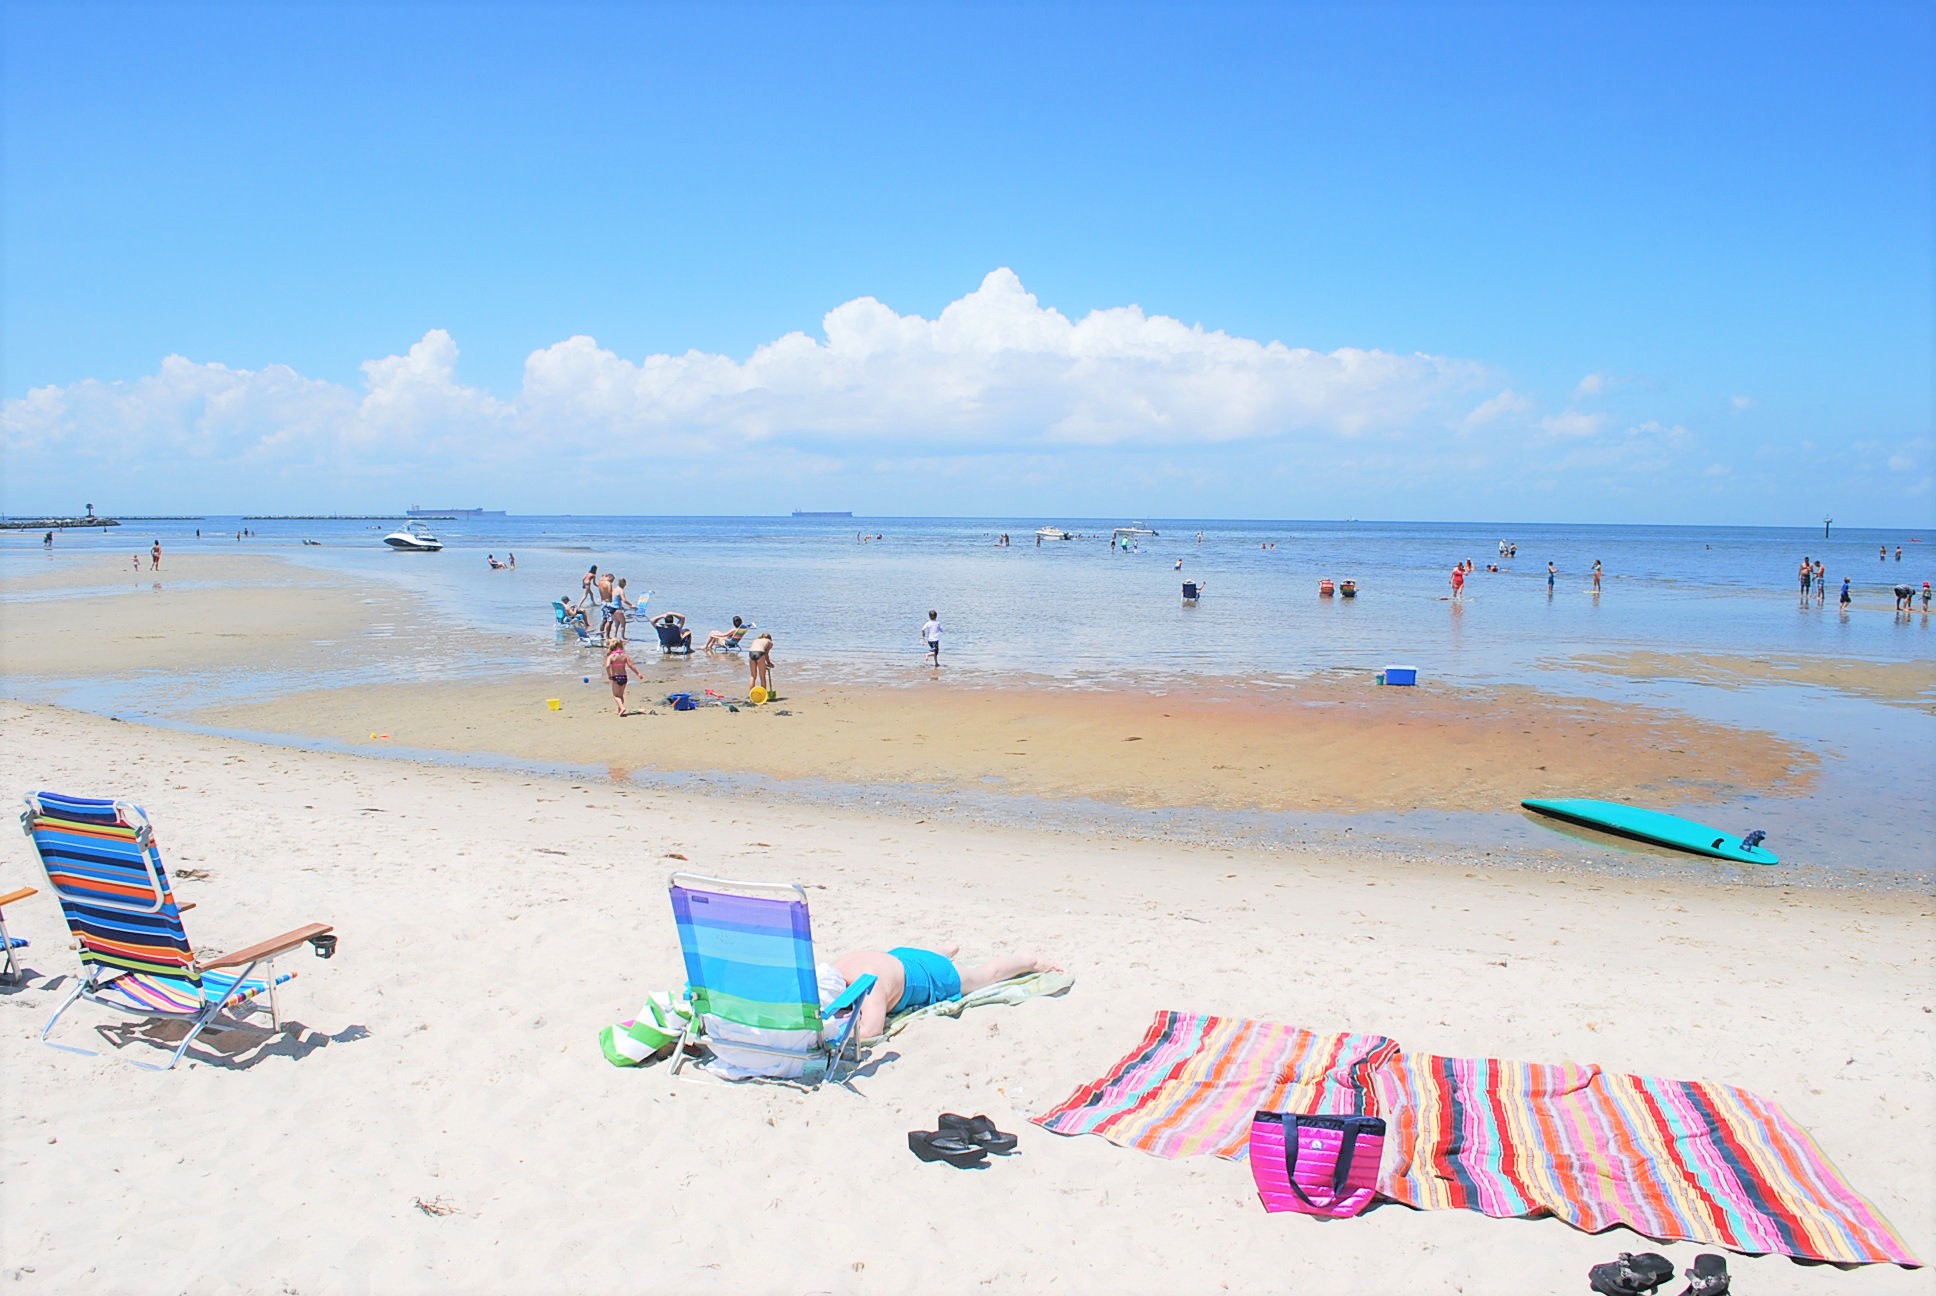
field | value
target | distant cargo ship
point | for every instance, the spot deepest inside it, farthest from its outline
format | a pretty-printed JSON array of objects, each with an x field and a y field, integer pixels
[
  {"x": 419, "y": 511},
  {"x": 821, "y": 513}
]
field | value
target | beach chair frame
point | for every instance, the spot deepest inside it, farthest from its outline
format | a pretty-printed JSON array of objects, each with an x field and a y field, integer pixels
[
  {"x": 164, "y": 980},
  {"x": 823, "y": 1061}
]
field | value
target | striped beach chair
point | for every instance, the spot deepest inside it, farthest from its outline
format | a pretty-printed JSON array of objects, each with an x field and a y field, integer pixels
[
  {"x": 100, "y": 859},
  {"x": 9, "y": 965},
  {"x": 752, "y": 982}
]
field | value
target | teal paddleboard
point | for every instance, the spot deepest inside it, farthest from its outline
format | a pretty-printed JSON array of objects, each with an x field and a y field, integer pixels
[{"x": 1652, "y": 826}]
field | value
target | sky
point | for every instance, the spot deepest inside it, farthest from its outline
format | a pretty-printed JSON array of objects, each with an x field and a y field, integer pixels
[{"x": 1638, "y": 263}]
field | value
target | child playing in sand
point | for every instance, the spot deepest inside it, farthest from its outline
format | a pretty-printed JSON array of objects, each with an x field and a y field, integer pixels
[{"x": 617, "y": 667}]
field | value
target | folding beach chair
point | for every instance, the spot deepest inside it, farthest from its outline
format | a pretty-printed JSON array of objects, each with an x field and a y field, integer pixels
[
  {"x": 100, "y": 858},
  {"x": 752, "y": 984},
  {"x": 9, "y": 965}
]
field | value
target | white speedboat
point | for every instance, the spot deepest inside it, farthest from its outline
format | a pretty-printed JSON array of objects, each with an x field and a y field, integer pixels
[
  {"x": 1051, "y": 533},
  {"x": 413, "y": 537}
]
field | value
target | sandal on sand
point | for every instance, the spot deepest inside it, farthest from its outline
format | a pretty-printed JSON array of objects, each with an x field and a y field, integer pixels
[
  {"x": 1630, "y": 1275},
  {"x": 978, "y": 1130},
  {"x": 946, "y": 1146},
  {"x": 1708, "y": 1277}
]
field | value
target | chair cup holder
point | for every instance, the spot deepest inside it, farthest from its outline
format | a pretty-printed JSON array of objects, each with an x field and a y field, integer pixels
[{"x": 325, "y": 945}]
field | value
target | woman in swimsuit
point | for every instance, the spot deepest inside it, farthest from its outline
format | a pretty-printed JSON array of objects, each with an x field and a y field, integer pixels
[
  {"x": 759, "y": 662},
  {"x": 617, "y": 664}
]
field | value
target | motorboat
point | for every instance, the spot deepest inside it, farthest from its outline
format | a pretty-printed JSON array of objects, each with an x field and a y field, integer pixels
[
  {"x": 1052, "y": 533},
  {"x": 413, "y": 537}
]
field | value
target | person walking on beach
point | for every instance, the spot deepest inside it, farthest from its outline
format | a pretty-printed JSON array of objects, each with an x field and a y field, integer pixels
[
  {"x": 931, "y": 635},
  {"x": 47, "y": 541},
  {"x": 1844, "y": 600},
  {"x": 1925, "y": 598},
  {"x": 1458, "y": 580},
  {"x": 1821, "y": 582},
  {"x": 154, "y": 557},
  {"x": 618, "y": 667},
  {"x": 759, "y": 662}
]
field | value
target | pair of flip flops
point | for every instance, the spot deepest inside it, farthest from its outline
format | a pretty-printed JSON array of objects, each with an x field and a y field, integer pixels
[
  {"x": 1643, "y": 1274},
  {"x": 960, "y": 1141}
]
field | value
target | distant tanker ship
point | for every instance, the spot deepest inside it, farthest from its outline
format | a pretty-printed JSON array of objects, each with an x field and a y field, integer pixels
[
  {"x": 822, "y": 513},
  {"x": 419, "y": 511}
]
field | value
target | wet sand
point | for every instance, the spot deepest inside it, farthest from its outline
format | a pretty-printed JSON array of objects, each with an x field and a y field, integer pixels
[{"x": 1905, "y": 684}]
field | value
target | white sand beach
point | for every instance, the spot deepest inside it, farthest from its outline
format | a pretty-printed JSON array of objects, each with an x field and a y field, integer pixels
[{"x": 438, "y": 1117}]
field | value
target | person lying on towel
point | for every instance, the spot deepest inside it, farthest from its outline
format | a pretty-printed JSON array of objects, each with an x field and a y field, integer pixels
[{"x": 915, "y": 978}]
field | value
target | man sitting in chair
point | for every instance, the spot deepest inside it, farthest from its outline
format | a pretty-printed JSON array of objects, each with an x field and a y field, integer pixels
[
  {"x": 914, "y": 978},
  {"x": 672, "y": 631}
]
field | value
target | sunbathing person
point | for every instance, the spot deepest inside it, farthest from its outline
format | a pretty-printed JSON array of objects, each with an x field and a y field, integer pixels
[
  {"x": 726, "y": 638},
  {"x": 914, "y": 978}
]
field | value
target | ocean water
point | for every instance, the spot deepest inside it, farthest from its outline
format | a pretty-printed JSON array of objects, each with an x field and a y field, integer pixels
[{"x": 1084, "y": 614}]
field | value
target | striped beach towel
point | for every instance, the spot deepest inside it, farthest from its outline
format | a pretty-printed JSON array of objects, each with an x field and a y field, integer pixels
[
  {"x": 1675, "y": 1160},
  {"x": 1192, "y": 1085}
]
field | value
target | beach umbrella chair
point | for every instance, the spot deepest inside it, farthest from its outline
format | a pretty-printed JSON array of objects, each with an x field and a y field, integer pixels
[
  {"x": 752, "y": 983},
  {"x": 102, "y": 863},
  {"x": 9, "y": 965}
]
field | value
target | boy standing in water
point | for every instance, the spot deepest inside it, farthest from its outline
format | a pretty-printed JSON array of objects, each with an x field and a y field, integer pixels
[{"x": 931, "y": 635}]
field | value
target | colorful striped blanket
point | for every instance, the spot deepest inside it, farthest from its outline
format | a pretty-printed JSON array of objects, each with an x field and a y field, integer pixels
[{"x": 1676, "y": 1160}]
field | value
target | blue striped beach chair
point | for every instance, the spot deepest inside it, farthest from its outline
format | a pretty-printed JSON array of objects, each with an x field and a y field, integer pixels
[
  {"x": 752, "y": 983},
  {"x": 9, "y": 965},
  {"x": 100, "y": 858}
]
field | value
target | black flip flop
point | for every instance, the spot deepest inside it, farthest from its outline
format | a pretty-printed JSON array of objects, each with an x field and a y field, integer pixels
[
  {"x": 980, "y": 1131},
  {"x": 1630, "y": 1275},
  {"x": 1708, "y": 1277},
  {"x": 946, "y": 1146}
]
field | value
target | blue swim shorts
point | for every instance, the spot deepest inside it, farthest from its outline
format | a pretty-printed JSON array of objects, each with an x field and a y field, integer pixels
[{"x": 931, "y": 979}]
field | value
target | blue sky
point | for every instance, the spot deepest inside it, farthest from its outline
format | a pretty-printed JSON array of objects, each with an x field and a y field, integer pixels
[{"x": 1646, "y": 263}]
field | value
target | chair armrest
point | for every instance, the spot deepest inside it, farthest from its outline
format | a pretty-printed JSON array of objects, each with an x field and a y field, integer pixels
[
  {"x": 184, "y": 908},
  {"x": 852, "y": 995},
  {"x": 270, "y": 948},
  {"x": 21, "y": 894}
]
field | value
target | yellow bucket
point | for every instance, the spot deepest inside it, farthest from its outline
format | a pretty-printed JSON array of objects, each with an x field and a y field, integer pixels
[
  {"x": 757, "y": 696},
  {"x": 554, "y": 704}
]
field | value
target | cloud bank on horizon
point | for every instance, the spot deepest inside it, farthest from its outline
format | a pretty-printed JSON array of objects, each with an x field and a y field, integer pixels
[{"x": 997, "y": 396}]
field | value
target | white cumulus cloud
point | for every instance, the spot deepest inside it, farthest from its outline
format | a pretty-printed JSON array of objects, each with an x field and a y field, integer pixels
[{"x": 994, "y": 372}]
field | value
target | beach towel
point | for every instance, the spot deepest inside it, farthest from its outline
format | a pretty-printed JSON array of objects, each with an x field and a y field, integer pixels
[
  {"x": 1193, "y": 1084},
  {"x": 1676, "y": 1160}
]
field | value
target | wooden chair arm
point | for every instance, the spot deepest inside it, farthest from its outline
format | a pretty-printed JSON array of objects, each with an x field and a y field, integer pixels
[
  {"x": 184, "y": 908},
  {"x": 268, "y": 949},
  {"x": 21, "y": 894}
]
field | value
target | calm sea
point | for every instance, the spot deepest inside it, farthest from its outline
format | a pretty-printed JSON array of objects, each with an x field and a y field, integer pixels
[{"x": 1084, "y": 613}]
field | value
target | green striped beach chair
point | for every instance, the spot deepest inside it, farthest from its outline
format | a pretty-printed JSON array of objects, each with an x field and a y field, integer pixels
[
  {"x": 752, "y": 983},
  {"x": 101, "y": 861}
]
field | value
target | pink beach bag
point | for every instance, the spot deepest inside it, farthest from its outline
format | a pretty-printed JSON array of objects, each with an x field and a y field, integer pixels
[{"x": 1316, "y": 1165}]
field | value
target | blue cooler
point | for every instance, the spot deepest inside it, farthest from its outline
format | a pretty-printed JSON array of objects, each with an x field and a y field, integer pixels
[{"x": 1401, "y": 674}]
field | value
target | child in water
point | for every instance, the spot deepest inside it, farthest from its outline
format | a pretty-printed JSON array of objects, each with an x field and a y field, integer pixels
[{"x": 617, "y": 666}]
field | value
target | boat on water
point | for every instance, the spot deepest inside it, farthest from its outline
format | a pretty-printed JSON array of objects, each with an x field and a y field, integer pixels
[
  {"x": 419, "y": 511},
  {"x": 1052, "y": 533},
  {"x": 823, "y": 513},
  {"x": 1124, "y": 536},
  {"x": 413, "y": 537}
]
